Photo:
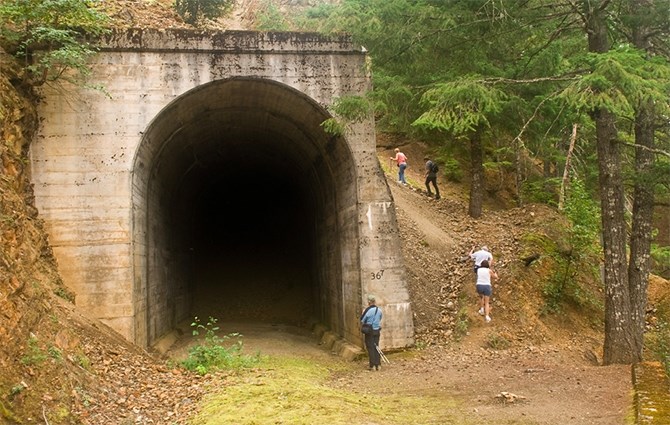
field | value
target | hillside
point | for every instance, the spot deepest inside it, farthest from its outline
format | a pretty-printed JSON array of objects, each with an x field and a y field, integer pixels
[{"x": 59, "y": 367}]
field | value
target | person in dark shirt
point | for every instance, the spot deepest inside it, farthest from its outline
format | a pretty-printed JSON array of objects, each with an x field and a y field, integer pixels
[{"x": 431, "y": 177}]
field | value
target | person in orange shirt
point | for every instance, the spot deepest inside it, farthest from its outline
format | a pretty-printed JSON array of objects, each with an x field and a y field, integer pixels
[{"x": 401, "y": 159}]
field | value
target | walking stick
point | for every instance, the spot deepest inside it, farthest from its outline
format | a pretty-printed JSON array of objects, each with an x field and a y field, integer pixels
[{"x": 381, "y": 354}]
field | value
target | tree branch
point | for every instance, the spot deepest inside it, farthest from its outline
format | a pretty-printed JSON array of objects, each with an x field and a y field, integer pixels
[{"x": 656, "y": 151}]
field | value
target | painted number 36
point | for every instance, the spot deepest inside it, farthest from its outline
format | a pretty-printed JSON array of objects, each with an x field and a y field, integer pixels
[{"x": 378, "y": 275}]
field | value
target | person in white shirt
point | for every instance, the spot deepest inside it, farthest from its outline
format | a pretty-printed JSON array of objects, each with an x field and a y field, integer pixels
[
  {"x": 485, "y": 289},
  {"x": 481, "y": 255}
]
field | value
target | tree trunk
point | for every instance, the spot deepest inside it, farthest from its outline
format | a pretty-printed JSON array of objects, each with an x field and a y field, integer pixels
[
  {"x": 643, "y": 201},
  {"x": 520, "y": 172},
  {"x": 640, "y": 238},
  {"x": 477, "y": 184},
  {"x": 619, "y": 341},
  {"x": 619, "y": 344}
]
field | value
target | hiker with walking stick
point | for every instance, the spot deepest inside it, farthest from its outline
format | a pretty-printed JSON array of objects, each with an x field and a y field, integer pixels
[{"x": 371, "y": 327}]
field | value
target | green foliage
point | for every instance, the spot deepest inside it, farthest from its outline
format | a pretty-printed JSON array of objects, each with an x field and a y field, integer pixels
[
  {"x": 348, "y": 109},
  {"x": 396, "y": 104},
  {"x": 578, "y": 258},
  {"x": 64, "y": 293},
  {"x": 333, "y": 127},
  {"x": 619, "y": 81},
  {"x": 34, "y": 354},
  {"x": 452, "y": 170},
  {"x": 497, "y": 342},
  {"x": 49, "y": 37},
  {"x": 212, "y": 355},
  {"x": 193, "y": 11},
  {"x": 584, "y": 214},
  {"x": 541, "y": 190},
  {"x": 661, "y": 259},
  {"x": 270, "y": 18},
  {"x": 55, "y": 353},
  {"x": 82, "y": 361},
  {"x": 352, "y": 108},
  {"x": 462, "y": 322},
  {"x": 17, "y": 389},
  {"x": 461, "y": 106}
]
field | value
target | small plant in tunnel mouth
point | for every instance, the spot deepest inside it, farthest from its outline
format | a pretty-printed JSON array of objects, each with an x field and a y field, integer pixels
[{"x": 216, "y": 352}]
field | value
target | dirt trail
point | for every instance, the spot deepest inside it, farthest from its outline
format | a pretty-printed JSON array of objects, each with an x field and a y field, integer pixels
[{"x": 422, "y": 217}]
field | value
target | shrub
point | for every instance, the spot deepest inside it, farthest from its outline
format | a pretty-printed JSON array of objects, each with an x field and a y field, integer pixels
[
  {"x": 579, "y": 257},
  {"x": 270, "y": 18},
  {"x": 661, "y": 260},
  {"x": 212, "y": 354},
  {"x": 34, "y": 354},
  {"x": 453, "y": 170},
  {"x": 540, "y": 190},
  {"x": 497, "y": 342},
  {"x": 193, "y": 11},
  {"x": 48, "y": 36}
]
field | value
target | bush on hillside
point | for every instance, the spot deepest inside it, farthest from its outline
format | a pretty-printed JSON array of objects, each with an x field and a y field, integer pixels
[
  {"x": 48, "y": 37},
  {"x": 192, "y": 11}
]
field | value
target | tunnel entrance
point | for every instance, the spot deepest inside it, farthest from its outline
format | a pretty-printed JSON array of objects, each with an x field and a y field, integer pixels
[
  {"x": 238, "y": 196},
  {"x": 202, "y": 182}
]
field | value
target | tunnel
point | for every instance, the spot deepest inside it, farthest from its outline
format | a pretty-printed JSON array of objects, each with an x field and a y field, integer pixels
[{"x": 240, "y": 210}]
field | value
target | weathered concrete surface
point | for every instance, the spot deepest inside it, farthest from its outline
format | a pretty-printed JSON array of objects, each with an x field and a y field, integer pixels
[{"x": 139, "y": 185}]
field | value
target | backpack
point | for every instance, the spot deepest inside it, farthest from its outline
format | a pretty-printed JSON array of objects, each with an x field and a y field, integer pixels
[{"x": 434, "y": 168}]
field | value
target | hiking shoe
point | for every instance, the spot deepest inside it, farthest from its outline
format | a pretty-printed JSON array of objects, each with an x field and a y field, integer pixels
[
  {"x": 378, "y": 367},
  {"x": 437, "y": 197},
  {"x": 488, "y": 319},
  {"x": 481, "y": 311}
]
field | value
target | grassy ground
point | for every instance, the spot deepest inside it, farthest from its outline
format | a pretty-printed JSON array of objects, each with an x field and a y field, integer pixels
[{"x": 285, "y": 390}]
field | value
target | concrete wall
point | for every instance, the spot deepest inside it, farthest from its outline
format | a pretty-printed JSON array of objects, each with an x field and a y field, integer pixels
[{"x": 115, "y": 172}]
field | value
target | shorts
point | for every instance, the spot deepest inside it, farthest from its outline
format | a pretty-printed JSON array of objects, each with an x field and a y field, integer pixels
[{"x": 485, "y": 290}]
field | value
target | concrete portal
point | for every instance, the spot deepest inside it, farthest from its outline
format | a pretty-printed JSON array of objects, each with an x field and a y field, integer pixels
[{"x": 202, "y": 183}]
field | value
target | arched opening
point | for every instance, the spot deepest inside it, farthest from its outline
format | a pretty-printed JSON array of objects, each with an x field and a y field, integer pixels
[{"x": 239, "y": 198}]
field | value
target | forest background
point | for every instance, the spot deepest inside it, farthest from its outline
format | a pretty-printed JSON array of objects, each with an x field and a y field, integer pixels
[{"x": 569, "y": 98}]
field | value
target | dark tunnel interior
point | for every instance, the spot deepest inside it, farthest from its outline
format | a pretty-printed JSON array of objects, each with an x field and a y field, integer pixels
[{"x": 250, "y": 240}]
